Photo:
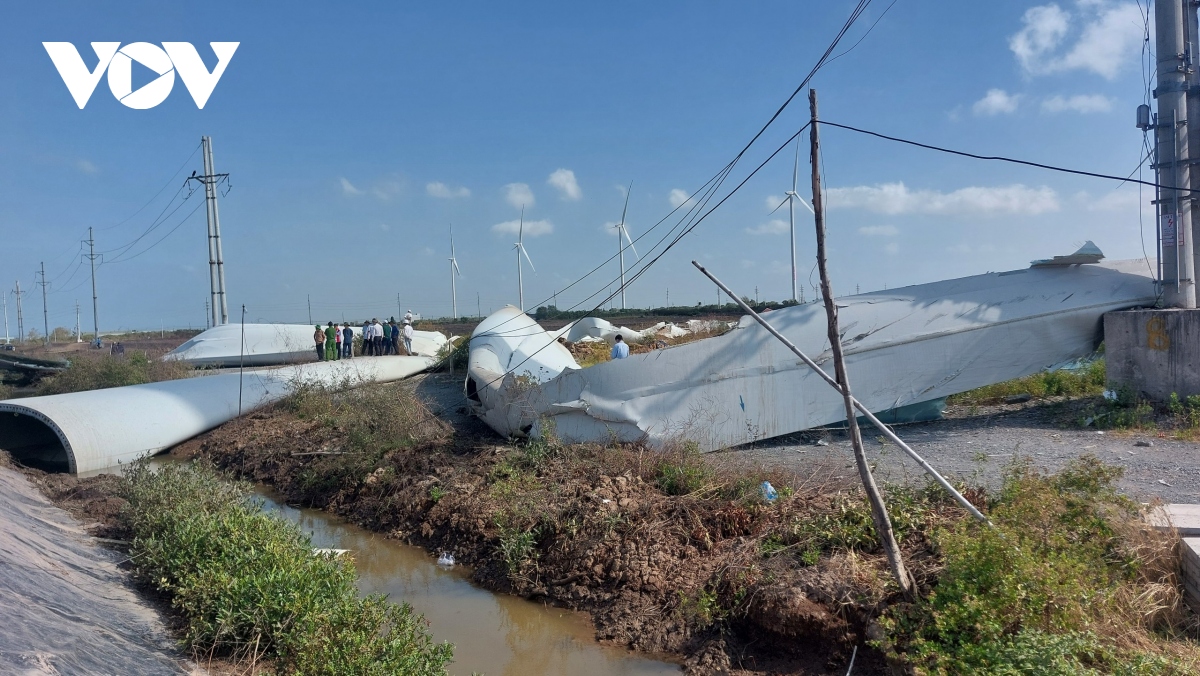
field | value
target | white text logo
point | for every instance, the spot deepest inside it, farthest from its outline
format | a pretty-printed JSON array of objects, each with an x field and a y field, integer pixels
[{"x": 171, "y": 58}]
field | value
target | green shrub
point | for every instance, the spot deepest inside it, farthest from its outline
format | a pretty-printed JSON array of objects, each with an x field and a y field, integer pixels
[
  {"x": 1086, "y": 381},
  {"x": 248, "y": 583},
  {"x": 682, "y": 471},
  {"x": 99, "y": 372},
  {"x": 1053, "y": 588}
]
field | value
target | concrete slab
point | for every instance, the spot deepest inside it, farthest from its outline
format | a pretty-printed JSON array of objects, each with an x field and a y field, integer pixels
[
  {"x": 1189, "y": 572},
  {"x": 1183, "y": 518}
]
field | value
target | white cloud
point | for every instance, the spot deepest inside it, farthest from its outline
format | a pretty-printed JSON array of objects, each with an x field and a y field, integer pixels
[
  {"x": 532, "y": 228},
  {"x": 896, "y": 198},
  {"x": 995, "y": 102},
  {"x": 774, "y": 226},
  {"x": 1123, "y": 200},
  {"x": 1080, "y": 103},
  {"x": 387, "y": 188},
  {"x": 1043, "y": 30},
  {"x": 443, "y": 191},
  {"x": 86, "y": 167},
  {"x": 1109, "y": 39},
  {"x": 879, "y": 231},
  {"x": 892, "y": 248},
  {"x": 519, "y": 195},
  {"x": 679, "y": 197},
  {"x": 564, "y": 181},
  {"x": 349, "y": 189}
]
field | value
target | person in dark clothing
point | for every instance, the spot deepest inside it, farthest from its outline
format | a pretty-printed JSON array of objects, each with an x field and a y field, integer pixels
[
  {"x": 347, "y": 341},
  {"x": 395, "y": 337},
  {"x": 319, "y": 337}
]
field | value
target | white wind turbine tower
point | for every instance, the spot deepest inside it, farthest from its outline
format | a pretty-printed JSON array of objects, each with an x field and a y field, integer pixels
[
  {"x": 622, "y": 232},
  {"x": 520, "y": 247},
  {"x": 453, "y": 272},
  {"x": 792, "y": 196}
]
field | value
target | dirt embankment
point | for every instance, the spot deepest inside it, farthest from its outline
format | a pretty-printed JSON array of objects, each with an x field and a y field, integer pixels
[{"x": 667, "y": 556}]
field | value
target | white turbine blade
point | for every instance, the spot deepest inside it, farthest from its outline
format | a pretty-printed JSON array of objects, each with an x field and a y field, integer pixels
[
  {"x": 456, "y": 267},
  {"x": 527, "y": 258},
  {"x": 806, "y": 205},
  {"x": 796, "y": 166},
  {"x": 785, "y": 201},
  {"x": 627, "y": 239}
]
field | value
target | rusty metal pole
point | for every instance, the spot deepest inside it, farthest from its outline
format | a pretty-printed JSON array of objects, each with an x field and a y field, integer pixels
[{"x": 879, "y": 514}]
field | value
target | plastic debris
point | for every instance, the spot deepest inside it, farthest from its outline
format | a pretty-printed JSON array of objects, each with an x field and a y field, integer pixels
[
  {"x": 768, "y": 491},
  {"x": 446, "y": 559},
  {"x": 1165, "y": 483},
  {"x": 1110, "y": 395}
]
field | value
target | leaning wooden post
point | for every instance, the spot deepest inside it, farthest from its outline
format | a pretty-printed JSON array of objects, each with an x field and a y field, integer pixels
[{"x": 883, "y": 524}]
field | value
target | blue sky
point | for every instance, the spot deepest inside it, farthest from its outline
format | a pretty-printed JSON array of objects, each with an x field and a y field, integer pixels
[{"x": 354, "y": 136}]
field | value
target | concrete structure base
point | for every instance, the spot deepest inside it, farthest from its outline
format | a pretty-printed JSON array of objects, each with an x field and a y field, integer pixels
[{"x": 1154, "y": 353}]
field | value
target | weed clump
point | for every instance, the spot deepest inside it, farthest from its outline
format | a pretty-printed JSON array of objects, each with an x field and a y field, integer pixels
[
  {"x": 94, "y": 373},
  {"x": 249, "y": 585},
  {"x": 682, "y": 471},
  {"x": 1087, "y": 381},
  {"x": 1067, "y": 582}
]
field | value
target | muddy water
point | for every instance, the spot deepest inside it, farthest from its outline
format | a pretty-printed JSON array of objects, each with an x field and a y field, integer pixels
[{"x": 493, "y": 634}]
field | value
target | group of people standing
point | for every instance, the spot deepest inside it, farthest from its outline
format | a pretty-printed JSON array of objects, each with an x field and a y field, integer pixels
[{"x": 336, "y": 341}]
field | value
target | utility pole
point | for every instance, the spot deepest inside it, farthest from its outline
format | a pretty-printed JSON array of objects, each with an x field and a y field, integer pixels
[
  {"x": 20, "y": 317},
  {"x": 91, "y": 255},
  {"x": 78, "y": 329},
  {"x": 216, "y": 259},
  {"x": 4, "y": 302},
  {"x": 879, "y": 514},
  {"x": 668, "y": 296},
  {"x": 45, "y": 311},
  {"x": 1173, "y": 165},
  {"x": 399, "y": 312},
  {"x": 310, "y": 308},
  {"x": 478, "y": 307},
  {"x": 208, "y": 316},
  {"x": 1193, "y": 129}
]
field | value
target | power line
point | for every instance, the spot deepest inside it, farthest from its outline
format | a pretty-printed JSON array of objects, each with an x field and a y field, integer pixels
[
  {"x": 1000, "y": 158},
  {"x": 160, "y": 191}
]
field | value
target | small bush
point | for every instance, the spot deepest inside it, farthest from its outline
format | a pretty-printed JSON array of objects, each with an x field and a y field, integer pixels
[
  {"x": 1060, "y": 585},
  {"x": 1087, "y": 381},
  {"x": 248, "y": 583},
  {"x": 99, "y": 372},
  {"x": 682, "y": 471}
]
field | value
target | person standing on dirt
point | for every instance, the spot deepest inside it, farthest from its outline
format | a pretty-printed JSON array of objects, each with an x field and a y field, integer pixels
[
  {"x": 377, "y": 337},
  {"x": 620, "y": 349},
  {"x": 395, "y": 336},
  {"x": 347, "y": 341},
  {"x": 319, "y": 337},
  {"x": 337, "y": 341},
  {"x": 366, "y": 336},
  {"x": 330, "y": 343},
  {"x": 408, "y": 336}
]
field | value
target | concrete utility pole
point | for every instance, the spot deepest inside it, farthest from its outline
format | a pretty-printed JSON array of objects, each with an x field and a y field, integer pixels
[
  {"x": 309, "y": 308},
  {"x": 879, "y": 514},
  {"x": 1173, "y": 166},
  {"x": 78, "y": 329},
  {"x": 45, "y": 311},
  {"x": 91, "y": 255},
  {"x": 4, "y": 302},
  {"x": 20, "y": 317},
  {"x": 216, "y": 259}
]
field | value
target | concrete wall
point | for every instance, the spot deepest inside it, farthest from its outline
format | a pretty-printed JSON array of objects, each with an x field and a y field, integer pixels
[{"x": 1153, "y": 352}]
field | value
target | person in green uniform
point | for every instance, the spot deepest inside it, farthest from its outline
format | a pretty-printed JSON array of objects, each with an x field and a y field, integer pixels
[{"x": 330, "y": 343}]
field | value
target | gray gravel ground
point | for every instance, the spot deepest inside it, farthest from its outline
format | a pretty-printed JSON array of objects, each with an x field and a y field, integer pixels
[{"x": 978, "y": 447}]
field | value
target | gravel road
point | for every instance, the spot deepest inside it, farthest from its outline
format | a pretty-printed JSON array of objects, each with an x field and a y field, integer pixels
[{"x": 978, "y": 446}]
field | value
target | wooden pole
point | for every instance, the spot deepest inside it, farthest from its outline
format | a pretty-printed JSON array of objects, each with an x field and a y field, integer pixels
[{"x": 883, "y": 524}]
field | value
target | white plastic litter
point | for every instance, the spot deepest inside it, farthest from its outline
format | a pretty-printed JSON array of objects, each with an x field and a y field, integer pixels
[{"x": 446, "y": 559}]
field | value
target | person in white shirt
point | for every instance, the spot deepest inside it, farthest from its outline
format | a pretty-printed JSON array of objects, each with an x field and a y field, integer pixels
[
  {"x": 408, "y": 336},
  {"x": 408, "y": 317},
  {"x": 377, "y": 337},
  {"x": 620, "y": 349}
]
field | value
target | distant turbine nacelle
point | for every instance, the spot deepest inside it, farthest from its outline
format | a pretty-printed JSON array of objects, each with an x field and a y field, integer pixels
[{"x": 171, "y": 58}]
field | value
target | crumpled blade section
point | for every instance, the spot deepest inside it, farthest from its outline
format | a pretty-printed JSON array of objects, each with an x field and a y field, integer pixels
[
  {"x": 912, "y": 345},
  {"x": 64, "y": 604}
]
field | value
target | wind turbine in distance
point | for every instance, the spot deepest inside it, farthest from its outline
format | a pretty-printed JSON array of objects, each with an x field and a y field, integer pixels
[
  {"x": 622, "y": 232},
  {"x": 792, "y": 196},
  {"x": 520, "y": 247},
  {"x": 453, "y": 271}
]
